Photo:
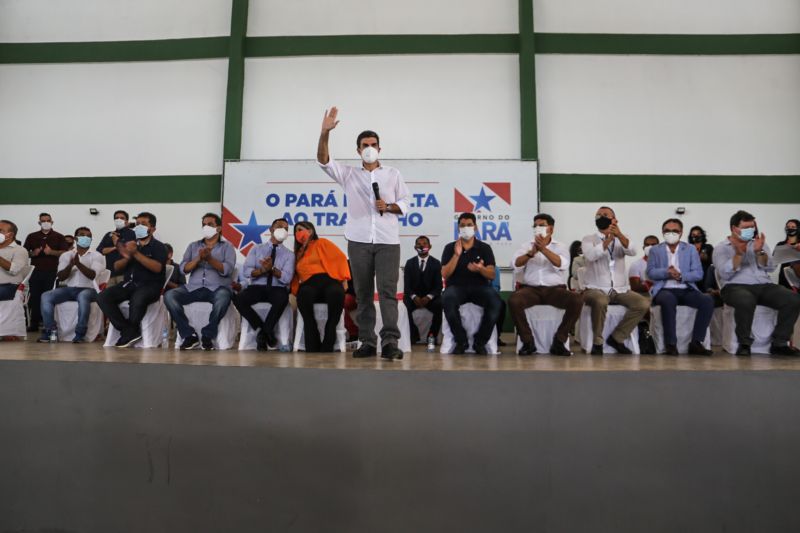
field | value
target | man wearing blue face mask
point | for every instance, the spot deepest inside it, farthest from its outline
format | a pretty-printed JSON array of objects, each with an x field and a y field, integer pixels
[
  {"x": 78, "y": 270},
  {"x": 142, "y": 262},
  {"x": 743, "y": 262}
]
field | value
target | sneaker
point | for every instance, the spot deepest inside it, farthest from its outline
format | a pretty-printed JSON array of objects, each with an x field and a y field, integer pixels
[
  {"x": 207, "y": 343},
  {"x": 190, "y": 343},
  {"x": 78, "y": 339},
  {"x": 365, "y": 351},
  {"x": 45, "y": 337},
  {"x": 618, "y": 346},
  {"x": 128, "y": 341}
]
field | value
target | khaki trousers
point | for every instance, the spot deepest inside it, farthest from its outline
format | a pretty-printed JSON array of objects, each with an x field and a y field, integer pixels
[{"x": 598, "y": 301}]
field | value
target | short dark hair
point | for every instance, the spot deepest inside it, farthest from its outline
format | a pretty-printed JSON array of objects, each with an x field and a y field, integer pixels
[
  {"x": 672, "y": 221},
  {"x": 12, "y": 225},
  {"x": 423, "y": 237},
  {"x": 82, "y": 227},
  {"x": 278, "y": 220},
  {"x": 606, "y": 207},
  {"x": 151, "y": 218},
  {"x": 468, "y": 216},
  {"x": 122, "y": 211},
  {"x": 45, "y": 215},
  {"x": 168, "y": 246},
  {"x": 650, "y": 237},
  {"x": 215, "y": 216},
  {"x": 364, "y": 134},
  {"x": 547, "y": 218},
  {"x": 741, "y": 216}
]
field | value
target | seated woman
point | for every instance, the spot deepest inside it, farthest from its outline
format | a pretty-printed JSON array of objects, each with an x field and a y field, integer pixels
[
  {"x": 320, "y": 272},
  {"x": 697, "y": 238},
  {"x": 792, "y": 239}
]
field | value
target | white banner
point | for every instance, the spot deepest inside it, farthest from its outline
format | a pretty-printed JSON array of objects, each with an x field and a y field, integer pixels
[{"x": 503, "y": 195}]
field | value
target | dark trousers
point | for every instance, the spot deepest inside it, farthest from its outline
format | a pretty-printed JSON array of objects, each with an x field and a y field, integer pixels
[
  {"x": 670, "y": 299},
  {"x": 501, "y": 318},
  {"x": 557, "y": 296},
  {"x": 320, "y": 288},
  {"x": 745, "y": 298},
  {"x": 434, "y": 306},
  {"x": 277, "y": 297},
  {"x": 176, "y": 299},
  {"x": 481, "y": 295},
  {"x": 139, "y": 296},
  {"x": 40, "y": 283},
  {"x": 8, "y": 290}
]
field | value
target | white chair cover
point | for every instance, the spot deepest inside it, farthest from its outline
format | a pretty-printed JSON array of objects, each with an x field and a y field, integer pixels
[
  {"x": 12, "y": 312},
  {"x": 471, "y": 316},
  {"x": 544, "y": 321},
  {"x": 247, "y": 340},
  {"x": 764, "y": 321},
  {"x": 66, "y": 316},
  {"x": 404, "y": 342},
  {"x": 321, "y": 315},
  {"x": 684, "y": 325},
  {"x": 423, "y": 319},
  {"x": 716, "y": 327},
  {"x": 614, "y": 316},
  {"x": 198, "y": 313},
  {"x": 155, "y": 320}
]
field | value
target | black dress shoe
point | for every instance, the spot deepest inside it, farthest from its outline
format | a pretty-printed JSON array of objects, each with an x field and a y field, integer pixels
[
  {"x": 480, "y": 349},
  {"x": 784, "y": 350},
  {"x": 272, "y": 341},
  {"x": 527, "y": 348},
  {"x": 459, "y": 349},
  {"x": 365, "y": 350},
  {"x": 670, "y": 349},
  {"x": 391, "y": 351},
  {"x": 697, "y": 348},
  {"x": 557, "y": 348},
  {"x": 261, "y": 341},
  {"x": 597, "y": 349},
  {"x": 743, "y": 350},
  {"x": 618, "y": 346},
  {"x": 501, "y": 342}
]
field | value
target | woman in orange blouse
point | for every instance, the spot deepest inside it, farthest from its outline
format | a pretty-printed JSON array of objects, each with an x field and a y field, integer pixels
[{"x": 320, "y": 271}]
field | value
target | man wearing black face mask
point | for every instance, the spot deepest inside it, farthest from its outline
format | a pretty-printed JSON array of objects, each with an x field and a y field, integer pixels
[{"x": 422, "y": 282}]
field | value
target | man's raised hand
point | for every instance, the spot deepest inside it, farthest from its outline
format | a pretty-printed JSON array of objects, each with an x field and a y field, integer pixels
[{"x": 329, "y": 119}]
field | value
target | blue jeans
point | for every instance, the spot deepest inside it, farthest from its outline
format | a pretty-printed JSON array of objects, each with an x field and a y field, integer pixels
[
  {"x": 84, "y": 296},
  {"x": 8, "y": 290},
  {"x": 482, "y": 295},
  {"x": 219, "y": 299},
  {"x": 670, "y": 299}
]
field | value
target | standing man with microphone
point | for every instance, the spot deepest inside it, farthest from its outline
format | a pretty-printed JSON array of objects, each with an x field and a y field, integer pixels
[{"x": 376, "y": 197}]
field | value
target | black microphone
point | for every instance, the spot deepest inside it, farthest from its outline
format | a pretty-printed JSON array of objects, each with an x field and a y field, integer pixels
[{"x": 377, "y": 192}]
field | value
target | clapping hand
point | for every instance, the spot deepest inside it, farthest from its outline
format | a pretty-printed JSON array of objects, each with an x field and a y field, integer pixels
[
  {"x": 48, "y": 250},
  {"x": 204, "y": 253},
  {"x": 475, "y": 267},
  {"x": 758, "y": 242},
  {"x": 329, "y": 119},
  {"x": 458, "y": 248},
  {"x": 541, "y": 242},
  {"x": 615, "y": 231},
  {"x": 674, "y": 273},
  {"x": 266, "y": 264}
]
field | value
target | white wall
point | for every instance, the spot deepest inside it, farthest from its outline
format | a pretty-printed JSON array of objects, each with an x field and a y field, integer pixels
[
  {"x": 112, "y": 119},
  {"x": 353, "y": 17},
  {"x": 112, "y": 20}
]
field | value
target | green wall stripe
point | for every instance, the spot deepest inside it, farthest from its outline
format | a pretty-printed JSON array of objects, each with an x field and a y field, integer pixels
[
  {"x": 529, "y": 139},
  {"x": 667, "y": 188},
  {"x": 599, "y": 43},
  {"x": 381, "y": 44},
  {"x": 108, "y": 51},
  {"x": 234, "y": 102},
  {"x": 112, "y": 189}
]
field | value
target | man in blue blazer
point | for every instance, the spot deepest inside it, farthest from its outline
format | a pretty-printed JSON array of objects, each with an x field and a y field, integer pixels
[{"x": 674, "y": 268}]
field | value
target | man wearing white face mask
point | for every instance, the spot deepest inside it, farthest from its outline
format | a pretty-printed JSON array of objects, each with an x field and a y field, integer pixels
[
  {"x": 13, "y": 258},
  {"x": 209, "y": 263},
  {"x": 675, "y": 269},
  {"x": 269, "y": 269},
  {"x": 108, "y": 244},
  {"x": 376, "y": 197},
  {"x": 45, "y": 247},
  {"x": 743, "y": 262},
  {"x": 468, "y": 266}
]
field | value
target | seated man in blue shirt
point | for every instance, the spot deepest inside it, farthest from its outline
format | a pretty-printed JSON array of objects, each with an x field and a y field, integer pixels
[
  {"x": 142, "y": 263},
  {"x": 270, "y": 269},
  {"x": 743, "y": 262},
  {"x": 209, "y": 263},
  {"x": 468, "y": 266},
  {"x": 675, "y": 269}
]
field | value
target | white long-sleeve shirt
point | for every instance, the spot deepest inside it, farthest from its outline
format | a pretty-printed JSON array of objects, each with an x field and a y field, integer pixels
[
  {"x": 539, "y": 271},
  {"x": 605, "y": 268}
]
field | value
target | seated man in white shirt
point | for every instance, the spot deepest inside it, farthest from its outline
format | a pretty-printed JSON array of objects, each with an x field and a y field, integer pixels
[
  {"x": 637, "y": 273},
  {"x": 543, "y": 263},
  {"x": 78, "y": 270},
  {"x": 605, "y": 282},
  {"x": 13, "y": 259}
]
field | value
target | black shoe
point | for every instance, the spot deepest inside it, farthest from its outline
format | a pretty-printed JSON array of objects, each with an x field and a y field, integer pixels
[
  {"x": 480, "y": 349},
  {"x": 743, "y": 350},
  {"x": 128, "y": 340},
  {"x": 272, "y": 341},
  {"x": 670, "y": 349},
  {"x": 697, "y": 348},
  {"x": 459, "y": 349},
  {"x": 618, "y": 346},
  {"x": 190, "y": 343},
  {"x": 597, "y": 349},
  {"x": 784, "y": 350},
  {"x": 557, "y": 348},
  {"x": 365, "y": 350},
  {"x": 207, "y": 343},
  {"x": 261, "y": 341},
  {"x": 501, "y": 342},
  {"x": 391, "y": 351},
  {"x": 527, "y": 348}
]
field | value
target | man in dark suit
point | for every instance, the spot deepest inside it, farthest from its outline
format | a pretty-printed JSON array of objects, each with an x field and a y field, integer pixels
[{"x": 422, "y": 278}]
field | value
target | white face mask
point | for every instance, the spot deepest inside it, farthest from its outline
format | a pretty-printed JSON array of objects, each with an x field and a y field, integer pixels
[
  {"x": 467, "y": 232},
  {"x": 46, "y": 226},
  {"x": 646, "y": 250},
  {"x": 209, "y": 232},
  {"x": 540, "y": 231},
  {"x": 2, "y": 238},
  {"x": 369, "y": 155},
  {"x": 119, "y": 223},
  {"x": 672, "y": 237},
  {"x": 280, "y": 234}
]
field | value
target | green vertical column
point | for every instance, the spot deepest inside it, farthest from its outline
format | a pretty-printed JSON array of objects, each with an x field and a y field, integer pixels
[
  {"x": 232, "y": 145},
  {"x": 527, "y": 82}
]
